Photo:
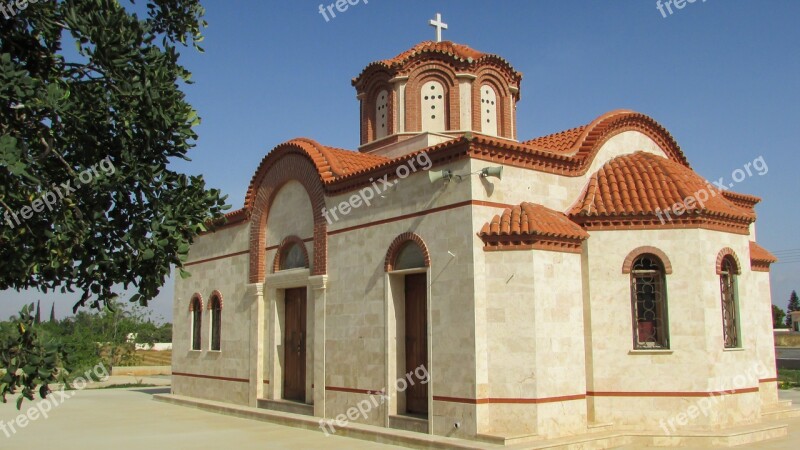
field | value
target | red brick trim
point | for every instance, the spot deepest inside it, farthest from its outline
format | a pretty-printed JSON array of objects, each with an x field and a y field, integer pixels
[
  {"x": 768, "y": 380},
  {"x": 626, "y": 265},
  {"x": 398, "y": 244},
  {"x": 196, "y": 297},
  {"x": 352, "y": 390},
  {"x": 552, "y": 244},
  {"x": 284, "y": 245},
  {"x": 672, "y": 394},
  {"x": 651, "y": 222},
  {"x": 216, "y": 258},
  {"x": 727, "y": 251},
  {"x": 291, "y": 161},
  {"x": 215, "y": 295},
  {"x": 210, "y": 377},
  {"x": 484, "y": 401}
]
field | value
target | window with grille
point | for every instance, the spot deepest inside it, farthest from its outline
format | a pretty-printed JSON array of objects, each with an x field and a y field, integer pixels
[
  {"x": 730, "y": 313},
  {"x": 649, "y": 304},
  {"x": 216, "y": 323}
]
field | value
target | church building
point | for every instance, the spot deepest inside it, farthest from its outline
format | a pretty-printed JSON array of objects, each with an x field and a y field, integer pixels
[{"x": 467, "y": 281}]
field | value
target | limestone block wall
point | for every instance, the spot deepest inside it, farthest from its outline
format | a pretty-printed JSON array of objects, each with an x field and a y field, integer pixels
[
  {"x": 642, "y": 388},
  {"x": 216, "y": 375},
  {"x": 358, "y": 350},
  {"x": 532, "y": 305}
]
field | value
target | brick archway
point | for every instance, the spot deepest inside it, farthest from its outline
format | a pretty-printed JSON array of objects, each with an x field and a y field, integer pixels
[
  {"x": 284, "y": 164},
  {"x": 626, "y": 266},
  {"x": 727, "y": 251},
  {"x": 398, "y": 243}
]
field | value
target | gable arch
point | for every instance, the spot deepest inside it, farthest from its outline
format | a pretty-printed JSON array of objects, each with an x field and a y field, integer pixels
[
  {"x": 635, "y": 253},
  {"x": 728, "y": 252},
  {"x": 300, "y": 160},
  {"x": 398, "y": 243}
]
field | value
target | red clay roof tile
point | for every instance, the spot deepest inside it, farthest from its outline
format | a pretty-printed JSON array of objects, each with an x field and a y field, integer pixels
[
  {"x": 531, "y": 219},
  {"x": 643, "y": 183}
]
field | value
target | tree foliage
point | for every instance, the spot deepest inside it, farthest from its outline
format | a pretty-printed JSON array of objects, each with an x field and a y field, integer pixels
[
  {"x": 794, "y": 305},
  {"x": 86, "y": 81},
  {"x": 778, "y": 317},
  {"x": 30, "y": 364},
  {"x": 37, "y": 355}
]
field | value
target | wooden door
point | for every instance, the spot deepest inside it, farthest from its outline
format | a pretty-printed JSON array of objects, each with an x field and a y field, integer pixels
[
  {"x": 294, "y": 349},
  {"x": 416, "y": 340}
]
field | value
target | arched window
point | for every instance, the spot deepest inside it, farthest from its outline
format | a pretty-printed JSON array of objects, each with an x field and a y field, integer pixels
[
  {"x": 292, "y": 254},
  {"x": 730, "y": 307},
  {"x": 488, "y": 110},
  {"x": 215, "y": 306},
  {"x": 649, "y": 303},
  {"x": 410, "y": 256},
  {"x": 432, "y": 100},
  {"x": 196, "y": 308},
  {"x": 382, "y": 114}
]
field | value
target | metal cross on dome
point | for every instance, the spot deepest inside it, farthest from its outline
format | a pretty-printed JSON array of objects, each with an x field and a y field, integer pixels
[{"x": 439, "y": 25}]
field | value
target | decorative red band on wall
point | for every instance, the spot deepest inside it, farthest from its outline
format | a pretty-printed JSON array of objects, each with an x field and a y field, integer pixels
[
  {"x": 351, "y": 390},
  {"x": 210, "y": 377},
  {"x": 768, "y": 380},
  {"x": 484, "y": 401},
  {"x": 672, "y": 394},
  {"x": 216, "y": 258}
]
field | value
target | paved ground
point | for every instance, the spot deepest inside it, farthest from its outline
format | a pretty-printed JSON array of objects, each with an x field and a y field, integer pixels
[{"x": 130, "y": 420}]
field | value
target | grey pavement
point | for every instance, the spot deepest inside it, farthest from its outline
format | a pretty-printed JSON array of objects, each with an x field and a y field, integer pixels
[
  {"x": 129, "y": 419},
  {"x": 122, "y": 419}
]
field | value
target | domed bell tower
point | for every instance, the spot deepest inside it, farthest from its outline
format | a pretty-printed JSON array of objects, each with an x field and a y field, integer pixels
[{"x": 434, "y": 92}]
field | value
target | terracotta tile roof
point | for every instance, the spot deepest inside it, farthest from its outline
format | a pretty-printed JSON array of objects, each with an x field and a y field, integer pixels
[
  {"x": 561, "y": 142},
  {"x": 760, "y": 255},
  {"x": 531, "y": 219},
  {"x": 643, "y": 183},
  {"x": 348, "y": 162},
  {"x": 446, "y": 47},
  {"x": 742, "y": 200},
  {"x": 464, "y": 56}
]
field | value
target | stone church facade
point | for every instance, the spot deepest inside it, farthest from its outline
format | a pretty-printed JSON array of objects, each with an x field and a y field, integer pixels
[{"x": 482, "y": 287}]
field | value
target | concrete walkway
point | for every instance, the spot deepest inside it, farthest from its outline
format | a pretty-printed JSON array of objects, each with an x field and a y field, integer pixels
[
  {"x": 129, "y": 419},
  {"x": 123, "y": 419}
]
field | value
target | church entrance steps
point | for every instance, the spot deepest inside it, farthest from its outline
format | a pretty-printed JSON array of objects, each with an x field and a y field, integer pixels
[
  {"x": 409, "y": 423},
  {"x": 594, "y": 439},
  {"x": 286, "y": 406},
  {"x": 780, "y": 410}
]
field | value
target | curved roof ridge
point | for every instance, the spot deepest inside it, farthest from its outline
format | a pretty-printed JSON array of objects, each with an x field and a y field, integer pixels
[{"x": 620, "y": 187}]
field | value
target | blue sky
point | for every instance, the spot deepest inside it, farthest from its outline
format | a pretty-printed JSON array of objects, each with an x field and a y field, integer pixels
[{"x": 722, "y": 76}]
